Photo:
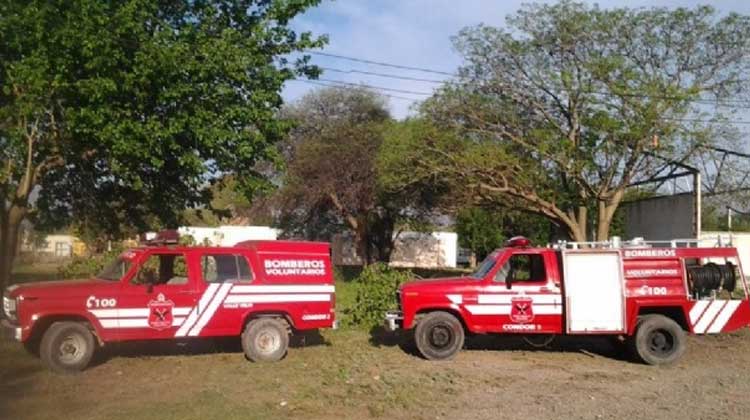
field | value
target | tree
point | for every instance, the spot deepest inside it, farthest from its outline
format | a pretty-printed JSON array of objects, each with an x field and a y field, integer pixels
[
  {"x": 123, "y": 113},
  {"x": 484, "y": 230},
  {"x": 331, "y": 177},
  {"x": 570, "y": 104}
]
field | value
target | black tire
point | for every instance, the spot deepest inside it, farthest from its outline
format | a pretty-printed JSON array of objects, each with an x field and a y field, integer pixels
[
  {"x": 439, "y": 336},
  {"x": 265, "y": 340},
  {"x": 658, "y": 340},
  {"x": 67, "y": 347}
]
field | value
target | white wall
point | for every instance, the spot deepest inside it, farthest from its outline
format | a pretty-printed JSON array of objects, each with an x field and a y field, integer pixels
[
  {"x": 741, "y": 241},
  {"x": 228, "y": 235},
  {"x": 411, "y": 249}
]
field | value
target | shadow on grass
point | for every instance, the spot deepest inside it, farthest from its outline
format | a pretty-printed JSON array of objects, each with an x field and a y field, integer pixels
[
  {"x": 196, "y": 346},
  {"x": 17, "y": 375},
  {"x": 608, "y": 347}
]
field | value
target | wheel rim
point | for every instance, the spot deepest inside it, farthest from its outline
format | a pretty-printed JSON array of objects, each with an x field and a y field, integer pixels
[
  {"x": 72, "y": 349},
  {"x": 268, "y": 341},
  {"x": 440, "y": 336},
  {"x": 661, "y": 342}
]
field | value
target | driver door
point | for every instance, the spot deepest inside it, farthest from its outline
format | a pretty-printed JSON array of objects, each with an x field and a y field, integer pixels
[
  {"x": 524, "y": 295},
  {"x": 156, "y": 300}
]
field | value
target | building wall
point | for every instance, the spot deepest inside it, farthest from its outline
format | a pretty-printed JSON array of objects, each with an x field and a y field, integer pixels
[
  {"x": 411, "y": 249},
  {"x": 660, "y": 218},
  {"x": 228, "y": 235},
  {"x": 59, "y": 246},
  {"x": 739, "y": 240}
]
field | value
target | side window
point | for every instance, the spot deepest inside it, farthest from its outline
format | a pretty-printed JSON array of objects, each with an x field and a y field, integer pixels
[
  {"x": 163, "y": 269},
  {"x": 219, "y": 268},
  {"x": 522, "y": 268}
]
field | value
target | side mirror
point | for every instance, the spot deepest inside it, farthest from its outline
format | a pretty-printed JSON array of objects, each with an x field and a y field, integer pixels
[
  {"x": 509, "y": 282},
  {"x": 149, "y": 287}
]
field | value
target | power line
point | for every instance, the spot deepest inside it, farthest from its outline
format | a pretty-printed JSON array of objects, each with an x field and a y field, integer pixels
[
  {"x": 391, "y": 76},
  {"x": 380, "y": 63},
  {"x": 410, "y": 92},
  {"x": 728, "y": 103},
  {"x": 698, "y": 120},
  {"x": 314, "y": 82}
]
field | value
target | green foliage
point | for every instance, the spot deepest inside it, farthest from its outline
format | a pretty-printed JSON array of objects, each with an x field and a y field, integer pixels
[
  {"x": 129, "y": 111},
  {"x": 86, "y": 267},
  {"x": 561, "y": 110},
  {"x": 331, "y": 183},
  {"x": 483, "y": 230},
  {"x": 376, "y": 294},
  {"x": 480, "y": 231}
]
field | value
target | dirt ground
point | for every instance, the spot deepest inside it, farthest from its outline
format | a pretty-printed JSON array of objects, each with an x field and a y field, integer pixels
[{"x": 352, "y": 374}]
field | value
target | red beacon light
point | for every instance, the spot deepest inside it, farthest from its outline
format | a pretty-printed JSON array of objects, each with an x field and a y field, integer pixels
[{"x": 518, "y": 242}]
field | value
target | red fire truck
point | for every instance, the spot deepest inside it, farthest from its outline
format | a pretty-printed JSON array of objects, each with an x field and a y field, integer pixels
[
  {"x": 259, "y": 291},
  {"x": 647, "y": 294}
]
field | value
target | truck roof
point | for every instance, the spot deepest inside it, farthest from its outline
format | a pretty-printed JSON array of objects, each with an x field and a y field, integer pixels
[{"x": 260, "y": 246}]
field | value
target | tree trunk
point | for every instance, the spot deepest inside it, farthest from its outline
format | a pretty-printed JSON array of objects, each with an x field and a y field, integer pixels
[
  {"x": 605, "y": 215},
  {"x": 10, "y": 225}
]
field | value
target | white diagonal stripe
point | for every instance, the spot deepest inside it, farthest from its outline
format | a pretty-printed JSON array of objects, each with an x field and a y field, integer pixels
[
  {"x": 708, "y": 316},
  {"x": 277, "y": 298},
  {"x": 724, "y": 316},
  {"x": 211, "y": 309},
  {"x": 697, "y": 310},
  {"x": 208, "y": 294},
  {"x": 457, "y": 299},
  {"x": 314, "y": 288}
]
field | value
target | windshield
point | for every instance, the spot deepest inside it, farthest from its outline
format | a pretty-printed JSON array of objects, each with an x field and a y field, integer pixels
[
  {"x": 115, "y": 270},
  {"x": 485, "y": 267}
]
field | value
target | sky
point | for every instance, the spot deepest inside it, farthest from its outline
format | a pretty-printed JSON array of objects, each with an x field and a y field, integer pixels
[{"x": 415, "y": 33}]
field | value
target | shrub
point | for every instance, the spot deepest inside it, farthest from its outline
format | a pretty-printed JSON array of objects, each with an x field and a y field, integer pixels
[
  {"x": 84, "y": 267},
  {"x": 376, "y": 294}
]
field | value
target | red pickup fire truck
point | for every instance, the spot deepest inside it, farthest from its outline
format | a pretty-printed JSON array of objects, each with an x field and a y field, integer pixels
[
  {"x": 646, "y": 294},
  {"x": 259, "y": 291}
]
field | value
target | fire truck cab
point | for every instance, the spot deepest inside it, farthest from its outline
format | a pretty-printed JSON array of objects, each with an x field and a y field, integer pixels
[
  {"x": 648, "y": 294},
  {"x": 258, "y": 291}
]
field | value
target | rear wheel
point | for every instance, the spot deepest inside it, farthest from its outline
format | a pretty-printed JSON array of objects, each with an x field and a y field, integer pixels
[
  {"x": 658, "y": 340},
  {"x": 67, "y": 347},
  {"x": 439, "y": 336},
  {"x": 265, "y": 340}
]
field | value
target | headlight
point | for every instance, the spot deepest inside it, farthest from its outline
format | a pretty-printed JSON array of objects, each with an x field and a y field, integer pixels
[{"x": 9, "y": 307}]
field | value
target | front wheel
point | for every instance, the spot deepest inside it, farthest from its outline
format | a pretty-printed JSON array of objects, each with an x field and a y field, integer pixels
[
  {"x": 67, "y": 347},
  {"x": 265, "y": 340},
  {"x": 439, "y": 336},
  {"x": 658, "y": 340}
]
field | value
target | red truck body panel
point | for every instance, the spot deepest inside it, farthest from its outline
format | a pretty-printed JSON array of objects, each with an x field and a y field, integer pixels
[
  {"x": 653, "y": 280},
  {"x": 290, "y": 279}
]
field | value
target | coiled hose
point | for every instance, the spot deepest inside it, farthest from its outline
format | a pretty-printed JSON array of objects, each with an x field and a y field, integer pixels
[{"x": 712, "y": 276}]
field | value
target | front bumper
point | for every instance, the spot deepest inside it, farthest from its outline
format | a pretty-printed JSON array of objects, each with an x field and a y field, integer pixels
[
  {"x": 393, "y": 320},
  {"x": 10, "y": 331}
]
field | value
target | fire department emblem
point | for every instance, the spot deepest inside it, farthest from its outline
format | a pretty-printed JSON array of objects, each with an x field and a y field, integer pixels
[
  {"x": 160, "y": 313},
  {"x": 521, "y": 310}
]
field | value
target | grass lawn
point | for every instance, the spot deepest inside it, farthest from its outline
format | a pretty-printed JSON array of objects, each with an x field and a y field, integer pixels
[{"x": 24, "y": 273}]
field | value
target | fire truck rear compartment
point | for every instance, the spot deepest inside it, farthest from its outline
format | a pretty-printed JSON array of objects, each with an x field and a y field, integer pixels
[{"x": 594, "y": 292}]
